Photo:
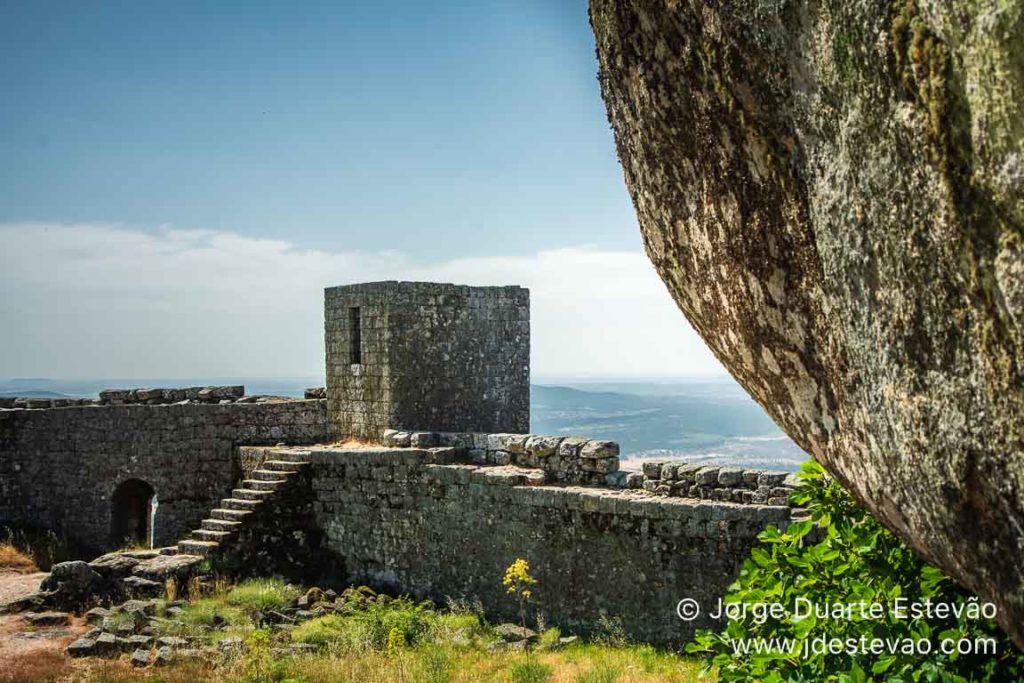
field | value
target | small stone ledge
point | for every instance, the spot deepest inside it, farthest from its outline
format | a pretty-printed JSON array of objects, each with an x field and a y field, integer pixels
[
  {"x": 714, "y": 482},
  {"x": 570, "y": 460}
]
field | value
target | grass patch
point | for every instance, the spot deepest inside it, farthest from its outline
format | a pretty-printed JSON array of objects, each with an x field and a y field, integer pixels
[
  {"x": 260, "y": 595},
  {"x": 375, "y": 625},
  {"x": 210, "y": 618},
  {"x": 438, "y": 663},
  {"x": 367, "y": 638},
  {"x": 530, "y": 671}
]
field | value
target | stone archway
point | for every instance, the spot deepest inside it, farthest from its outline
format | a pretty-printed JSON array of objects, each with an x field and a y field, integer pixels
[{"x": 133, "y": 505}]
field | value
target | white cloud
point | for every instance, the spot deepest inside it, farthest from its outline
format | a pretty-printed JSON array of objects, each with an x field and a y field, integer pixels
[{"x": 94, "y": 301}]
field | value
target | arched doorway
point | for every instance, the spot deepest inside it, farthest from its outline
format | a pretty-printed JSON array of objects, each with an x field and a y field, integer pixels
[{"x": 131, "y": 517}]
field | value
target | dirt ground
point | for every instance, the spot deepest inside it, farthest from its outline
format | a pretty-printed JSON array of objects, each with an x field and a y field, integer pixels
[{"x": 26, "y": 653}]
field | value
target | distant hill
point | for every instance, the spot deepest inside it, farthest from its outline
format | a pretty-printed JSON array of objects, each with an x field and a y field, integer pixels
[
  {"x": 33, "y": 393},
  {"x": 699, "y": 421}
]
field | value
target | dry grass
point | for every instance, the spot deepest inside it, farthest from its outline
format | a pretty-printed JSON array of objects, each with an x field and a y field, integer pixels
[
  {"x": 120, "y": 671},
  {"x": 37, "y": 667},
  {"x": 13, "y": 559}
]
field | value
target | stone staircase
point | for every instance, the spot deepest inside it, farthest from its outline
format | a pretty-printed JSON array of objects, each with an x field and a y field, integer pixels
[{"x": 226, "y": 521}]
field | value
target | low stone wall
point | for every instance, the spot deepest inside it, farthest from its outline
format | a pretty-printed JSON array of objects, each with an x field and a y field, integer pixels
[
  {"x": 419, "y": 521},
  {"x": 576, "y": 460},
  {"x": 713, "y": 482},
  {"x": 59, "y": 467},
  {"x": 564, "y": 459},
  {"x": 152, "y": 397}
]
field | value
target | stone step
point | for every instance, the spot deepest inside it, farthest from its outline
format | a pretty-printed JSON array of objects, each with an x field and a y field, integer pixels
[
  {"x": 230, "y": 514},
  {"x": 169, "y": 550},
  {"x": 193, "y": 547},
  {"x": 260, "y": 485},
  {"x": 210, "y": 535},
  {"x": 272, "y": 475},
  {"x": 250, "y": 494},
  {"x": 239, "y": 504},
  {"x": 283, "y": 465},
  {"x": 216, "y": 524}
]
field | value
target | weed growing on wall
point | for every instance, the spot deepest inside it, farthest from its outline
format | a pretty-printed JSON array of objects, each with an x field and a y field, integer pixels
[{"x": 840, "y": 579}]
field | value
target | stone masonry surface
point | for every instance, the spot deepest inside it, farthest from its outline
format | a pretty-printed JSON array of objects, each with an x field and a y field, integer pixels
[
  {"x": 577, "y": 460},
  {"x": 419, "y": 521},
  {"x": 419, "y": 355},
  {"x": 59, "y": 467}
]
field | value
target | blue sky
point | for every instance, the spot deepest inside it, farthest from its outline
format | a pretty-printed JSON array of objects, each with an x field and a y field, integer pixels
[
  {"x": 179, "y": 181},
  {"x": 438, "y": 128}
]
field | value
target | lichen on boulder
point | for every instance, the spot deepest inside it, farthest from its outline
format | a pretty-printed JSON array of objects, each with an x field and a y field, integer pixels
[{"x": 833, "y": 193}]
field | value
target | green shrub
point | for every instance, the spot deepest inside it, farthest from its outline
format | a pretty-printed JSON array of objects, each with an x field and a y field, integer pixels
[
  {"x": 257, "y": 664},
  {"x": 850, "y": 559},
  {"x": 549, "y": 639},
  {"x": 456, "y": 629},
  {"x": 199, "y": 616},
  {"x": 373, "y": 625},
  {"x": 400, "y": 618},
  {"x": 321, "y": 631},
  {"x": 260, "y": 595}
]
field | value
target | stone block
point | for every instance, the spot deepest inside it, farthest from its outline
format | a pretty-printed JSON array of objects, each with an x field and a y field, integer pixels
[
  {"x": 570, "y": 447},
  {"x": 652, "y": 468},
  {"x": 770, "y": 479},
  {"x": 707, "y": 476},
  {"x": 604, "y": 466},
  {"x": 599, "y": 450},
  {"x": 730, "y": 476},
  {"x": 423, "y": 439},
  {"x": 542, "y": 446}
]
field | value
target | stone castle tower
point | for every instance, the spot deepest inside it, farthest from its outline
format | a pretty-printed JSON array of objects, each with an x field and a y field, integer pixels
[{"x": 427, "y": 356}]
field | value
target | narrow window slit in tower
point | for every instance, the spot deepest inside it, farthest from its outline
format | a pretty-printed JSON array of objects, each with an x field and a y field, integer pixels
[{"x": 355, "y": 335}]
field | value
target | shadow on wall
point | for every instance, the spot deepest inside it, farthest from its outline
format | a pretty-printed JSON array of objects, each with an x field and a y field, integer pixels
[{"x": 132, "y": 512}]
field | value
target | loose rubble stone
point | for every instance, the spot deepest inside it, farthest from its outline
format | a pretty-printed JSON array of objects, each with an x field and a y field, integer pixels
[
  {"x": 96, "y": 615},
  {"x": 172, "y": 642},
  {"x": 730, "y": 476},
  {"x": 83, "y": 647},
  {"x": 47, "y": 618},
  {"x": 514, "y": 632},
  {"x": 106, "y": 643}
]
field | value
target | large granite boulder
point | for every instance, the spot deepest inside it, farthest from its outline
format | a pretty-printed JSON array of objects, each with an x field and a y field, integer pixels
[{"x": 833, "y": 193}]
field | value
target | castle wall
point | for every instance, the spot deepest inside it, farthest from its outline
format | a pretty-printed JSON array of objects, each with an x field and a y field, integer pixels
[
  {"x": 417, "y": 521},
  {"x": 430, "y": 356},
  {"x": 59, "y": 466}
]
